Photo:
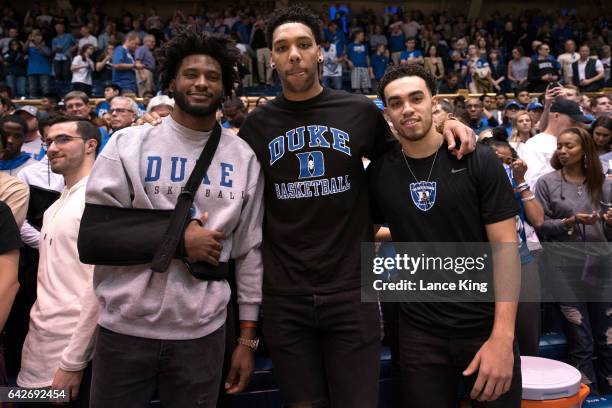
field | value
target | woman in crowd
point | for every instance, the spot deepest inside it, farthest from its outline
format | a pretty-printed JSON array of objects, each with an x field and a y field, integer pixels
[
  {"x": 15, "y": 67},
  {"x": 518, "y": 68},
  {"x": 104, "y": 65},
  {"x": 571, "y": 197},
  {"x": 523, "y": 127},
  {"x": 498, "y": 70},
  {"x": 39, "y": 65},
  {"x": 262, "y": 100},
  {"x": 602, "y": 134},
  {"x": 483, "y": 48},
  {"x": 433, "y": 62},
  {"x": 82, "y": 67}
]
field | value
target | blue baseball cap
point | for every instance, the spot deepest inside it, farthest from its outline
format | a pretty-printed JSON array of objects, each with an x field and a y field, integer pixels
[
  {"x": 534, "y": 106},
  {"x": 514, "y": 104}
]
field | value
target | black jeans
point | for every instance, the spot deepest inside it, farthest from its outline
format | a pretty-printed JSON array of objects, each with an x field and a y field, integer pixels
[
  {"x": 432, "y": 370},
  {"x": 325, "y": 349},
  {"x": 127, "y": 370}
]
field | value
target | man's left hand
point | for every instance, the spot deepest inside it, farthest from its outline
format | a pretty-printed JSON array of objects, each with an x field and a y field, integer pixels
[
  {"x": 243, "y": 364},
  {"x": 494, "y": 363},
  {"x": 455, "y": 130},
  {"x": 70, "y": 380}
]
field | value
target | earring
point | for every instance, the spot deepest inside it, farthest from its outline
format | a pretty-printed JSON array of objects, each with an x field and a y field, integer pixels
[
  {"x": 272, "y": 65},
  {"x": 320, "y": 60}
]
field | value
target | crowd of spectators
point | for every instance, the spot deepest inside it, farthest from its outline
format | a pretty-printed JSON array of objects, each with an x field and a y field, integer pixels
[{"x": 53, "y": 49}]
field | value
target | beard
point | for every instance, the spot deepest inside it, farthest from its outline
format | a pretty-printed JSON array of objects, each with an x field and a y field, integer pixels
[
  {"x": 415, "y": 135},
  {"x": 181, "y": 101},
  {"x": 309, "y": 80}
]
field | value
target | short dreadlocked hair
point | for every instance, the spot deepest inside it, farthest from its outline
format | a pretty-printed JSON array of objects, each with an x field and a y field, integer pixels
[
  {"x": 400, "y": 71},
  {"x": 192, "y": 40},
  {"x": 295, "y": 14}
]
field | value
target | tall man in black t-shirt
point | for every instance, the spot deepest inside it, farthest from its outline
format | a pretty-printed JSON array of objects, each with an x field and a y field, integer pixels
[
  {"x": 324, "y": 342},
  {"x": 459, "y": 201}
]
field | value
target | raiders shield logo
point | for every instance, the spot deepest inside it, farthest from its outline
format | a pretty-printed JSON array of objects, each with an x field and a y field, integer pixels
[{"x": 423, "y": 194}]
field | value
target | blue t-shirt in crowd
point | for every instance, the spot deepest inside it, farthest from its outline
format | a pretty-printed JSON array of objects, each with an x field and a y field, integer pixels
[
  {"x": 357, "y": 53},
  {"x": 126, "y": 79},
  {"x": 410, "y": 54},
  {"x": 397, "y": 43},
  {"x": 38, "y": 63},
  {"x": 244, "y": 33},
  {"x": 102, "y": 108},
  {"x": 65, "y": 42},
  {"x": 379, "y": 65},
  {"x": 104, "y": 137}
]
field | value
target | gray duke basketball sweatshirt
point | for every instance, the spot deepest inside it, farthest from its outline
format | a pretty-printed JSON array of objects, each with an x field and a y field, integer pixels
[{"x": 145, "y": 167}]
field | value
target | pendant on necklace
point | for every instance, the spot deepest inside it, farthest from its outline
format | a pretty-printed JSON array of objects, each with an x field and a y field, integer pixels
[{"x": 579, "y": 191}]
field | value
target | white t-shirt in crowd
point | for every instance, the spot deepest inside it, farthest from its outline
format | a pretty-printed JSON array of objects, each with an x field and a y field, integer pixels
[
  {"x": 331, "y": 68},
  {"x": 82, "y": 75},
  {"x": 537, "y": 153}
]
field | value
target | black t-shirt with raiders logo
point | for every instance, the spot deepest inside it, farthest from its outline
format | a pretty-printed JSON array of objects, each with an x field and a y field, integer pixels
[
  {"x": 316, "y": 196},
  {"x": 455, "y": 205}
]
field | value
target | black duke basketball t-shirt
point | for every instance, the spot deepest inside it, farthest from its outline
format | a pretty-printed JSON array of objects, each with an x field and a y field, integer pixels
[{"x": 316, "y": 196}]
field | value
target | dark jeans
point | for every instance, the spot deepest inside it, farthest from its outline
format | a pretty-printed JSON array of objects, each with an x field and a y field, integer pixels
[
  {"x": 588, "y": 332},
  {"x": 62, "y": 70},
  {"x": 17, "y": 85},
  {"x": 128, "y": 370},
  {"x": 39, "y": 85},
  {"x": 325, "y": 349},
  {"x": 432, "y": 370},
  {"x": 79, "y": 86}
]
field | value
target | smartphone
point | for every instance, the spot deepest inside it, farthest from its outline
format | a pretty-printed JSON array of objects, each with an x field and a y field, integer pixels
[
  {"x": 605, "y": 206},
  {"x": 554, "y": 84}
]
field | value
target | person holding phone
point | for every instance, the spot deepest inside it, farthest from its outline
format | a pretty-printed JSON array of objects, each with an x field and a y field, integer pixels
[
  {"x": 543, "y": 70},
  {"x": 571, "y": 197}
]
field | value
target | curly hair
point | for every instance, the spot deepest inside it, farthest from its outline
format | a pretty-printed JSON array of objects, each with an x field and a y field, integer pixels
[
  {"x": 400, "y": 71},
  {"x": 295, "y": 14},
  {"x": 192, "y": 40}
]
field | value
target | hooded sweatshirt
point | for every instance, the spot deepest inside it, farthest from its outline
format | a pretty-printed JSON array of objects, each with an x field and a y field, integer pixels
[{"x": 145, "y": 167}]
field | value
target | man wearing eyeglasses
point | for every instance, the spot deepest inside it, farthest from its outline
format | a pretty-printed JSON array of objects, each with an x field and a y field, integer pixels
[
  {"x": 480, "y": 118},
  {"x": 59, "y": 344},
  {"x": 123, "y": 112}
]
